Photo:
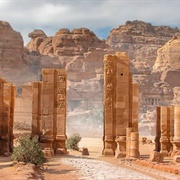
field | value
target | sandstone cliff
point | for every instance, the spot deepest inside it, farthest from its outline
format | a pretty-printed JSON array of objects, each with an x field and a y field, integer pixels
[
  {"x": 81, "y": 53},
  {"x": 65, "y": 42}
]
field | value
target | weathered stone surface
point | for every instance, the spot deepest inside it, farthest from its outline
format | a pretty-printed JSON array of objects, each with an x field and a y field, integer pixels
[
  {"x": 49, "y": 111},
  {"x": 37, "y": 37},
  {"x": 176, "y": 159},
  {"x": 120, "y": 107},
  {"x": 7, "y": 95},
  {"x": 65, "y": 43},
  {"x": 156, "y": 157},
  {"x": 85, "y": 152},
  {"x": 176, "y": 92},
  {"x": 168, "y": 56}
]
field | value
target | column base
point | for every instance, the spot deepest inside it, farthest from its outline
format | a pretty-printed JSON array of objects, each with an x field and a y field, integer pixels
[
  {"x": 60, "y": 144},
  {"x": 109, "y": 147},
  {"x": 108, "y": 152},
  {"x": 121, "y": 147}
]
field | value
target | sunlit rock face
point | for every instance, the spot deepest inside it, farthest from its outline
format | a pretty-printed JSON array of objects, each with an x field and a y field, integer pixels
[
  {"x": 11, "y": 51},
  {"x": 168, "y": 56},
  {"x": 64, "y": 42}
]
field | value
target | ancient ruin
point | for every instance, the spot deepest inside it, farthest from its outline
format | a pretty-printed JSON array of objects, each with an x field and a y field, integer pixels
[
  {"x": 7, "y": 95},
  {"x": 121, "y": 136},
  {"x": 49, "y": 110},
  {"x": 167, "y": 140}
]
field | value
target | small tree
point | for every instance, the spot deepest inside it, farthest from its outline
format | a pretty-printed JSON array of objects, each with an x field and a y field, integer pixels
[
  {"x": 72, "y": 141},
  {"x": 28, "y": 151}
]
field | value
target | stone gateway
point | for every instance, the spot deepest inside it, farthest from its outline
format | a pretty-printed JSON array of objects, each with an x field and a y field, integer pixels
[{"x": 121, "y": 99}]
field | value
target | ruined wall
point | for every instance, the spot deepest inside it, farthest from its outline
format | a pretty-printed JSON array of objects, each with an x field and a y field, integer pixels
[
  {"x": 49, "y": 110},
  {"x": 7, "y": 93},
  {"x": 167, "y": 140}
]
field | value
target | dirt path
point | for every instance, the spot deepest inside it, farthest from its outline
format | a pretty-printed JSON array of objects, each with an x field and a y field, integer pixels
[{"x": 77, "y": 167}]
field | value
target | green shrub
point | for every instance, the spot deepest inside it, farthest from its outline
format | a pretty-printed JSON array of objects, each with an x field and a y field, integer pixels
[
  {"x": 72, "y": 141},
  {"x": 28, "y": 151}
]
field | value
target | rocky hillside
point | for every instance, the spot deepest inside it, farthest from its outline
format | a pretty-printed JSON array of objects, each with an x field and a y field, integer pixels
[{"x": 81, "y": 53}]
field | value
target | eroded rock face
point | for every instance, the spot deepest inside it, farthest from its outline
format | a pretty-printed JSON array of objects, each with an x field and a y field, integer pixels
[
  {"x": 65, "y": 43},
  {"x": 140, "y": 40},
  {"x": 11, "y": 46},
  {"x": 176, "y": 92},
  {"x": 168, "y": 56},
  {"x": 11, "y": 51}
]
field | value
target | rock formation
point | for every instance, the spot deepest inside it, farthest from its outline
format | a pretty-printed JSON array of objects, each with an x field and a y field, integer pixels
[
  {"x": 64, "y": 43},
  {"x": 81, "y": 53},
  {"x": 176, "y": 92}
]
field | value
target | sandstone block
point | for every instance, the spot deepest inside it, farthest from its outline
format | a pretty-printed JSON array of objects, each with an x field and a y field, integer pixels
[
  {"x": 156, "y": 157},
  {"x": 85, "y": 152},
  {"x": 176, "y": 158}
]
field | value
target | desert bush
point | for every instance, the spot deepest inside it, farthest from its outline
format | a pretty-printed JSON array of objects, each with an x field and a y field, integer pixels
[
  {"x": 72, "y": 141},
  {"x": 28, "y": 151}
]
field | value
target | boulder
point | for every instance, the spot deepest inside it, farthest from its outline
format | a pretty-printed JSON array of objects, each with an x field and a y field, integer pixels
[{"x": 156, "y": 157}]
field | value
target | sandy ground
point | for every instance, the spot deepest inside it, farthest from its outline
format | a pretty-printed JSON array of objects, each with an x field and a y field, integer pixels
[{"x": 94, "y": 167}]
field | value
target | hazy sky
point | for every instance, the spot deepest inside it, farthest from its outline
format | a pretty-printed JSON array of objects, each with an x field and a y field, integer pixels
[{"x": 99, "y": 16}]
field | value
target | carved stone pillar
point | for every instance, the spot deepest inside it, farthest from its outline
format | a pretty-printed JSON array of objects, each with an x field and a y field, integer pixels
[
  {"x": 109, "y": 133},
  {"x": 36, "y": 109},
  {"x": 7, "y": 93},
  {"x": 49, "y": 110},
  {"x": 121, "y": 147},
  {"x": 176, "y": 130},
  {"x": 164, "y": 139},
  {"x": 122, "y": 101},
  {"x": 134, "y": 149},
  {"x": 60, "y": 111},
  {"x": 135, "y": 106},
  {"x": 171, "y": 128},
  {"x": 158, "y": 130},
  {"x": 128, "y": 141}
]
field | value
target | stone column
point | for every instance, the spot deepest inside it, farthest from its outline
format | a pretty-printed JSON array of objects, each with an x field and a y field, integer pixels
[
  {"x": 60, "y": 111},
  {"x": 135, "y": 106},
  {"x": 164, "y": 139},
  {"x": 47, "y": 111},
  {"x": 158, "y": 129},
  {"x": 36, "y": 104},
  {"x": 6, "y": 117},
  {"x": 128, "y": 141},
  {"x": 176, "y": 129},
  {"x": 134, "y": 149},
  {"x": 1, "y": 112},
  {"x": 11, "y": 123},
  {"x": 123, "y": 86},
  {"x": 7, "y": 92},
  {"x": 171, "y": 124},
  {"x": 109, "y": 134}
]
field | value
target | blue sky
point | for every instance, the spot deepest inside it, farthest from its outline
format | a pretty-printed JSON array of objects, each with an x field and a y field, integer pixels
[{"x": 100, "y": 16}]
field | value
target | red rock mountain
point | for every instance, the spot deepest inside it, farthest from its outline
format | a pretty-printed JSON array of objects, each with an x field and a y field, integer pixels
[{"x": 81, "y": 53}]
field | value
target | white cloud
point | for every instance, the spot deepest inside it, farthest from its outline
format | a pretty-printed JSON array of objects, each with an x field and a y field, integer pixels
[{"x": 51, "y": 15}]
